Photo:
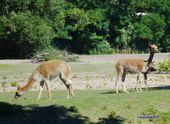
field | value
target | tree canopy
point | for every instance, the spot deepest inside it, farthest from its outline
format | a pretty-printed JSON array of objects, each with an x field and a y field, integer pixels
[{"x": 83, "y": 26}]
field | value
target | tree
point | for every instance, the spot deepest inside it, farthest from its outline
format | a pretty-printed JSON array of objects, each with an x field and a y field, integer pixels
[{"x": 22, "y": 34}]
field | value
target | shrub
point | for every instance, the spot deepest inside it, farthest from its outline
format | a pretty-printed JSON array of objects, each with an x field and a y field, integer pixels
[
  {"x": 13, "y": 84},
  {"x": 165, "y": 66},
  {"x": 23, "y": 33},
  {"x": 48, "y": 54},
  {"x": 101, "y": 48},
  {"x": 53, "y": 53}
]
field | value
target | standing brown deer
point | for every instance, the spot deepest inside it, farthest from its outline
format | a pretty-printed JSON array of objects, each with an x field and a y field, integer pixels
[
  {"x": 43, "y": 75},
  {"x": 137, "y": 66}
]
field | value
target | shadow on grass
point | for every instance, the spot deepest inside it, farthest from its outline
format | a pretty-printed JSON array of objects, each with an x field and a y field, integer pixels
[
  {"x": 17, "y": 114},
  {"x": 159, "y": 88},
  {"x": 111, "y": 120},
  {"x": 134, "y": 90},
  {"x": 113, "y": 92}
]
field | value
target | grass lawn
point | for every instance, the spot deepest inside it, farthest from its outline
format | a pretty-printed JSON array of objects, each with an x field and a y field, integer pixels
[
  {"x": 93, "y": 104},
  {"x": 88, "y": 106}
]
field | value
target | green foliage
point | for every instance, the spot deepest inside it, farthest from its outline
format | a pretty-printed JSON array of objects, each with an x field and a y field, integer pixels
[
  {"x": 14, "y": 84},
  {"x": 142, "y": 32},
  {"x": 96, "y": 16},
  {"x": 165, "y": 44},
  {"x": 165, "y": 66},
  {"x": 125, "y": 37},
  {"x": 151, "y": 111},
  {"x": 98, "y": 100},
  {"x": 53, "y": 53},
  {"x": 79, "y": 25},
  {"x": 25, "y": 34},
  {"x": 48, "y": 54},
  {"x": 101, "y": 48},
  {"x": 156, "y": 24},
  {"x": 77, "y": 19},
  {"x": 163, "y": 117}
]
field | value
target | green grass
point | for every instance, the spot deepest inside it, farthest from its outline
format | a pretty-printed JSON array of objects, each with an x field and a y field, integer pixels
[
  {"x": 96, "y": 104},
  {"x": 2, "y": 66},
  {"x": 92, "y": 105},
  {"x": 25, "y": 70}
]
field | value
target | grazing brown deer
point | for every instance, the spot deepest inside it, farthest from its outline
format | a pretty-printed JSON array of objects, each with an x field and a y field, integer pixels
[
  {"x": 135, "y": 65},
  {"x": 43, "y": 75}
]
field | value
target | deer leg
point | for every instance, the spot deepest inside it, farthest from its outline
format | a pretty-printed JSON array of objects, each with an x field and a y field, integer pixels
[
  {"x": 48, "y": 88},
  {"x": 137, "y": 84},
  {"x": 117, "y": 78},
  {"x": 123, "y": 82},
  {"x": 68, "y": 83},
  {"x": 71, "y": 93},
  {"x": 40, "y": 89},
  {"x": 140, "y": 82},
  {"x": 145, "y": 80}
]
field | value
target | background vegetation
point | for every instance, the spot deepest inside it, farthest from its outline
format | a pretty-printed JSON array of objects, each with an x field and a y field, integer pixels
[
  {"x": 83, "y": 27},
  {"x": 165, "y": 66}
]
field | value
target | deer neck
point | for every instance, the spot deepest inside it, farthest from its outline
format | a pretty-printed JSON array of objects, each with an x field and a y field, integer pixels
[
  {"x": 28, "y": 85},
  {"x": 150, "y": 57}
]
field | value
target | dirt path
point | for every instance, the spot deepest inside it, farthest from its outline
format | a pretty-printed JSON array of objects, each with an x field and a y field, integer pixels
[
  {"x": 112, "y": 58},
  {"x": 91, "y": 72},
  {"x": 99, "y": 58}
]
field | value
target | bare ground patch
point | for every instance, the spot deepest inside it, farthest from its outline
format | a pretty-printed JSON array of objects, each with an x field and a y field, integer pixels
[{"x": 91, "y": 72}]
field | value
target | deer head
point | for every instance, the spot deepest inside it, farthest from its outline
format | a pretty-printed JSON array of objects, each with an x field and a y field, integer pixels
[
  {"x": 153, "y": 48},
  {"x": 18, "y": 93}
]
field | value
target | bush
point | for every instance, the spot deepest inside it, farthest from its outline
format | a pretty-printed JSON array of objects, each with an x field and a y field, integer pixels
[
  {"x": 13, "y": 84},
  {"x": 101, "y": 48},
  {"x": 52, "y": 54},
  {"x": 22, "y": 34},
  {"x": 48, "y": 54},
  {"x": 165, "y": 66}
]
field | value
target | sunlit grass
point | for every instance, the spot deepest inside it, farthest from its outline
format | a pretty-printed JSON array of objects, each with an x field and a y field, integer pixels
[
  {"x": 99, "y": 103},
  {"x": 4, "y": 66},
  {"x": 94, "y": 104}
]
